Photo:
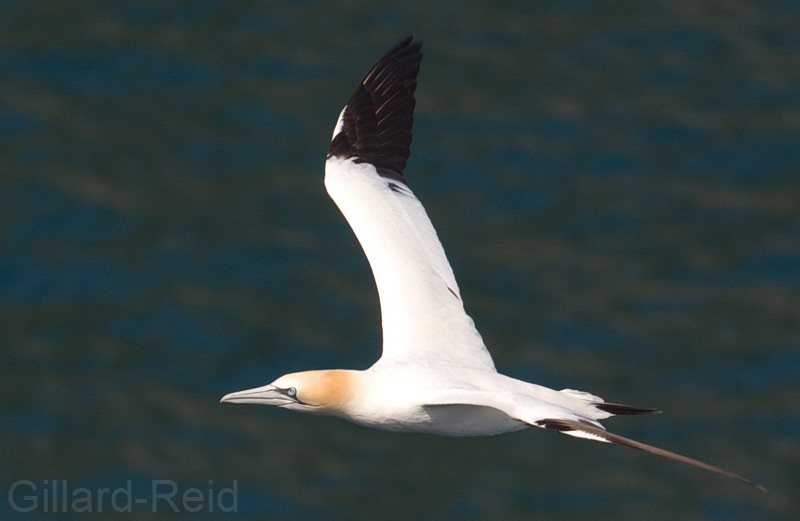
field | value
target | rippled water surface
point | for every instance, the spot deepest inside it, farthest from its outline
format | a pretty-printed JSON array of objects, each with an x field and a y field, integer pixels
[{"x": 617, "y": 188}]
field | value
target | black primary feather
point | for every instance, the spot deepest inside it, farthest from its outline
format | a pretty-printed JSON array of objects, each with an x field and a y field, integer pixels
[{"x": 377, "y": 121}]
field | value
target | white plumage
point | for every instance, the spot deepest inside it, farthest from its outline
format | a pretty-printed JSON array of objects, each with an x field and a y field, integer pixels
[{"x": 435, "y": 374}]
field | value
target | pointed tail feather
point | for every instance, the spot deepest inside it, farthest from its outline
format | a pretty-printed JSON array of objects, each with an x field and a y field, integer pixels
[{"x": 591, "y": 430}]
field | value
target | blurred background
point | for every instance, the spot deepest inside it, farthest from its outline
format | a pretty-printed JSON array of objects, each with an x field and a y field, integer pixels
[{"x": 616, "y": 185}]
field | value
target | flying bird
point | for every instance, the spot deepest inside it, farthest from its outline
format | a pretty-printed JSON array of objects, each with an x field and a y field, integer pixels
[{"x": 435, "y": 374}]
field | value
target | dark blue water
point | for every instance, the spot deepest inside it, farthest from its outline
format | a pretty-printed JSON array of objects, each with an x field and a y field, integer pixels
[{"x": 617, "y": 188}]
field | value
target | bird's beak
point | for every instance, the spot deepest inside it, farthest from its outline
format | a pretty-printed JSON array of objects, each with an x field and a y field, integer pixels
[{"x": 267, "y": 395}]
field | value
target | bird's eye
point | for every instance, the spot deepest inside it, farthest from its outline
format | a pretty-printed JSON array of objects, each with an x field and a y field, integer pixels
[{"x": 291, "y": 392}]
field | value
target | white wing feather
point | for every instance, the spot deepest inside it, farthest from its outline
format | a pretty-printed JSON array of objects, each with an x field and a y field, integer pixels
[{"x": 421, "y": 309}]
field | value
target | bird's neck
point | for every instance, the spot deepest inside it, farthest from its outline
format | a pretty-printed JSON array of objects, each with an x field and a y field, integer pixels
[{"x": 329, "y": 389}]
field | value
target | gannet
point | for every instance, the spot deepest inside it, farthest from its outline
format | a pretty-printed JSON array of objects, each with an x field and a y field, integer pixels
[{"x": 435, "y": 374}]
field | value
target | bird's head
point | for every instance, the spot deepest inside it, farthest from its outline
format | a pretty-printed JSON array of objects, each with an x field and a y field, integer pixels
[{"x": 324, "y": 392}]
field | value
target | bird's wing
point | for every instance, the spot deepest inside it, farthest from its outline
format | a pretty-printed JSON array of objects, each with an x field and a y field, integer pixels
[
  {"x": 422, "y": 313},
  {"x": 584, "y": 429},
  {"x": 540, "y": 413},
  {"x": 518, "y": 406}
]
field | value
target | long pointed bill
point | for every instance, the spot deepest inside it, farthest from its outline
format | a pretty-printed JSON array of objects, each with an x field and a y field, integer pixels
[{"x": 267, "y": 395}]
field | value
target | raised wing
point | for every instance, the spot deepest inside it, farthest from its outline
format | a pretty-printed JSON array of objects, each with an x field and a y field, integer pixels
[{"x": 421, "y": 308}]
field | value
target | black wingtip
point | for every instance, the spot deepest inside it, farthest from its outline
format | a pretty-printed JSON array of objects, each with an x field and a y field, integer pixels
[
  {"x": 622, "y": 410},
  {"x": 377, "y": 121},
  {"x": 567, "y": 426}
]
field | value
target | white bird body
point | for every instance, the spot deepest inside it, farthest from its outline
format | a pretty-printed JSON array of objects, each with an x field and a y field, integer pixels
[
  {"x": 435, "y": 374},
  {"x": 440, "y": 398}
]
